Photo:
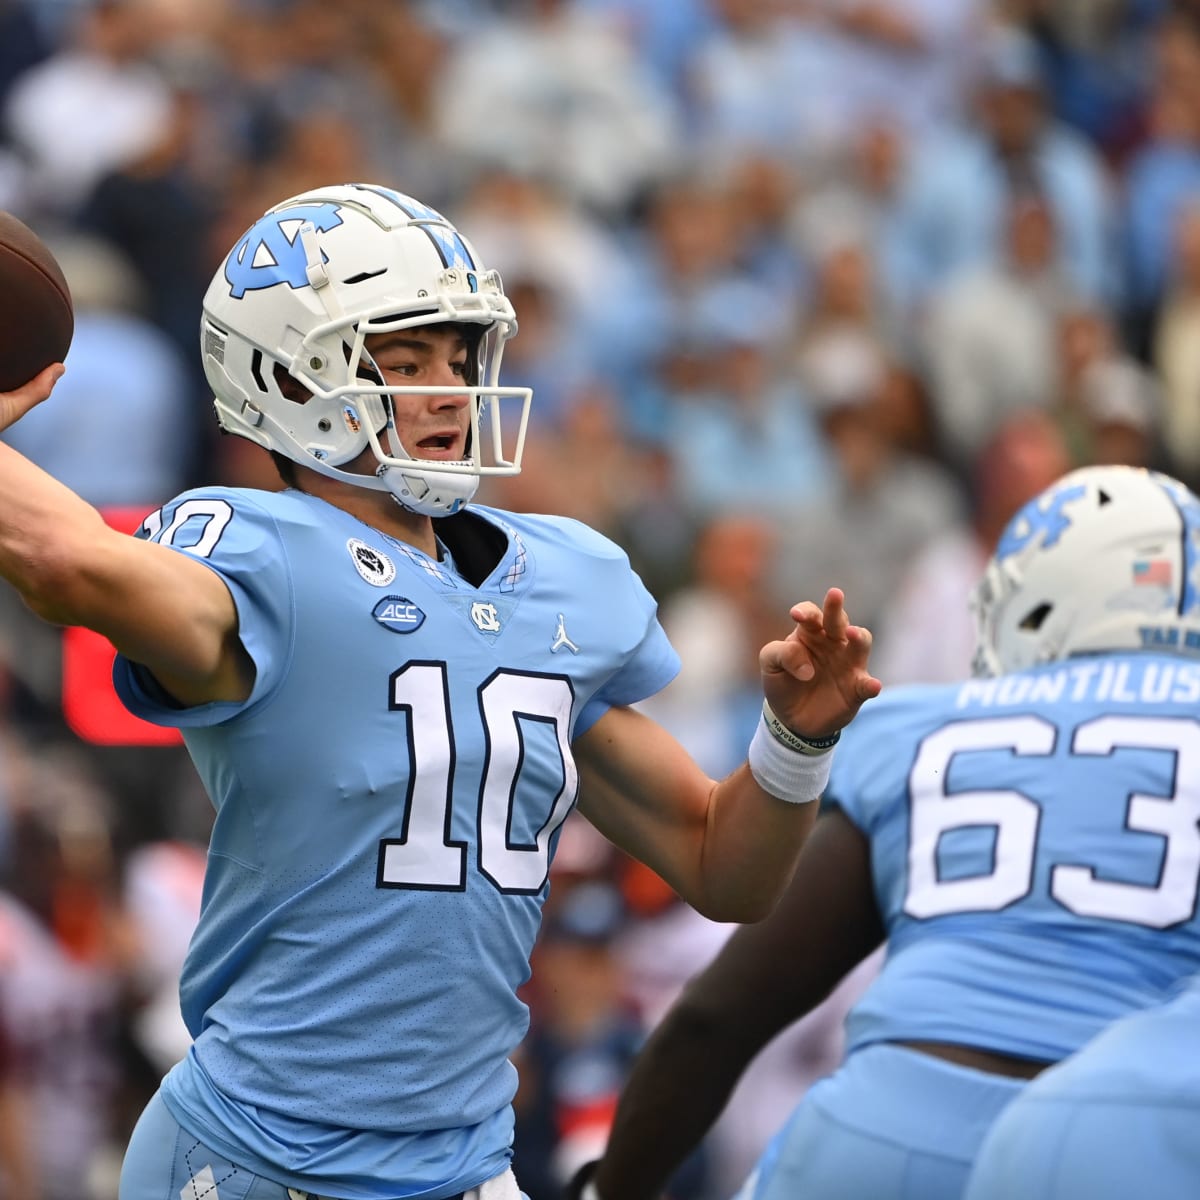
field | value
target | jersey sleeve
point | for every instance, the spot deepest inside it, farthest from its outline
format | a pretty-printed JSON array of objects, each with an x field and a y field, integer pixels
[
  {"x": 236, "y": 535},
  {"x": 856, "y": 762},
  {"x": 650, "y": 663},
  {"x": 648, "y": 670},
  {"x": 869, "y": 775}
]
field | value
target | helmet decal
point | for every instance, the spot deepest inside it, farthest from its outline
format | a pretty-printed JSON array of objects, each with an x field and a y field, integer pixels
[
  {"x": 1043, "y": 516},
  {"x": 270, "y": 252},
  {"x": 444, "y": 236}
]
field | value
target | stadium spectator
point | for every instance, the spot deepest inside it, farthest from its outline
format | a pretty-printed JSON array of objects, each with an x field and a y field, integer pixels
[
  {"x": 690, "y": 252},
  {"x": 17, "y": 1172},
  {"x": 23, "y": 42},
  {"x": 1122, "y": 406},
  {"x": 807, "y": 77},
  {"x": 837, "y": 229},
  {"x": 553, "y": 90},
  {"x": 952, "y": 202},
  {"x": 927, "y": 634},
  {"x": 885, "y": 502},
  {"x": 989, "y": 334},
  {"x": 582, "y": 1040},
  {"x": 67, "y": 960},
  {"x": 986, "y": 828},
  {"x": 96, "y": 103},
  {"x": 163, "y": 883},
  {"x": 907, "y": 59},
  {"x": 1176, "y": 346},
  {"x": 1163, "y": 174},
  {"x": 1096, "y": 57},
  {"x": 394, "y": 700},
  {"x": 664, "y": 35},
  {"x": 762, "y": 79},
  {"x": 715, "y": 620},
  {"x": 744, "y": 439}
]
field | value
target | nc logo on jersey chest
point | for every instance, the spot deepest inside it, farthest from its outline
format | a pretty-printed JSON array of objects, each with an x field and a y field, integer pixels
[
  {"x": 490, "y": 618},
  {"x": 484, "y": 617},
  {"x": 399, "y": 614}
]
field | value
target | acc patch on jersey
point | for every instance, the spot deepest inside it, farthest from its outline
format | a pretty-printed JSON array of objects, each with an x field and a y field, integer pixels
[{"x": 399, "y": 614}]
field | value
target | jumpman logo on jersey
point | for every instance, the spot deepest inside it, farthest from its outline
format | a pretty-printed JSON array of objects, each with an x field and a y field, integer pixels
[{"x": 561, "y": 639}]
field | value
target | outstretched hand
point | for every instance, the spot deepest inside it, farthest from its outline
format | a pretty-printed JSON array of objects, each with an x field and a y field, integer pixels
[
  {"x": 15, "y": 404},
  {"x": 816, "y": 678}
]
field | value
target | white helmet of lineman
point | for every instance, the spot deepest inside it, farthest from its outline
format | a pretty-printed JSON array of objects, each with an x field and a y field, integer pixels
[
  {"x": 1107, "y": 558},
  {"x": 303, "y": 289}
]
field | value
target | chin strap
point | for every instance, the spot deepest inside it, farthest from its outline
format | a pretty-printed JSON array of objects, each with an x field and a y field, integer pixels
[{"x": 431, "y": 494}]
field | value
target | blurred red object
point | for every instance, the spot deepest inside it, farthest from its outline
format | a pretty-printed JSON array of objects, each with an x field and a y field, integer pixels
[{"x": 91, "y": 706}]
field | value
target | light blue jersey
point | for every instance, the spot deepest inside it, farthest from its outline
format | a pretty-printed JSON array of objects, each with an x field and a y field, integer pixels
[
  {"x": 1035, "y": 850},
  {"x": 1116, "y": 1120},
  {"x": 388, "y": 801}
]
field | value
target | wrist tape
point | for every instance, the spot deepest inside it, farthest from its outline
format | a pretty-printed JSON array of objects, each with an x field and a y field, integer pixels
[{"x": 794, "y": 768}]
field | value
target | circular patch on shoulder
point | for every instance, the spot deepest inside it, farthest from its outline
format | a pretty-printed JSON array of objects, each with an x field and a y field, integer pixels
[{"x": 373, "y": 565}]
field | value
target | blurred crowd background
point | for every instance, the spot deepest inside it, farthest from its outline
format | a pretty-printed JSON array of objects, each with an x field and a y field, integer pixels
[{"x": 810, "y": 292}]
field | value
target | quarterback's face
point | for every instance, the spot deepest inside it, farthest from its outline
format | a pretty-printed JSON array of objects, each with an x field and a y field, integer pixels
[{"x": 434, "y": 425}]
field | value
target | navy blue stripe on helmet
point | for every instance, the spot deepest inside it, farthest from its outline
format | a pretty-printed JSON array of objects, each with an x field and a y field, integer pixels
[
  {"x": 1188, "y": 507},
  {"x": 449, "y": 243}
]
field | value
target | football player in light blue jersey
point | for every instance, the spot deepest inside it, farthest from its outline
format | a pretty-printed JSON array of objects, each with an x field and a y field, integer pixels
[
  {"x": 394, "y": 699},
  {"x": 1117, "y": 1120},
  {"x": 1027, "y": 843},
  {"x": 1120, "y": 1117}
]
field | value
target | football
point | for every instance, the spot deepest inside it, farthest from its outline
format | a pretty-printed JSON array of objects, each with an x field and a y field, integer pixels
[{"x": 37, "y": 318}]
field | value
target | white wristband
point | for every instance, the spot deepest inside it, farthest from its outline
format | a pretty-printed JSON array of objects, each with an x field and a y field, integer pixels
[
  {"x": 795, "y": 770},
  {"x": 590, "y": 1192}
]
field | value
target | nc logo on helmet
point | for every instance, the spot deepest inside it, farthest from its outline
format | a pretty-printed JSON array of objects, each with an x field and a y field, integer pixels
[
  {"x": 271, "y": 252},
  {"x": 1042, "y": 517}
]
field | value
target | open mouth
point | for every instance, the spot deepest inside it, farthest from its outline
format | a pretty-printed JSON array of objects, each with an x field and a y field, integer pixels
[{"x": 439, "y": 445}]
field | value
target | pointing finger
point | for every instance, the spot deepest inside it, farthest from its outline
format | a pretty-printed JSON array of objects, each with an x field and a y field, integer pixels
[{"x": 834, "y": 614}]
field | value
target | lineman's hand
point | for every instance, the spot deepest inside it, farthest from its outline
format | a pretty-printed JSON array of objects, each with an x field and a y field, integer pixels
[
  {"x": 14, "y": 405},
  {"x": 816, "y": 678}
]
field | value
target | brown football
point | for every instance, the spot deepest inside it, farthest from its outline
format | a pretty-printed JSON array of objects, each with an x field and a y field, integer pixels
[{"x": 37, "y": 318}]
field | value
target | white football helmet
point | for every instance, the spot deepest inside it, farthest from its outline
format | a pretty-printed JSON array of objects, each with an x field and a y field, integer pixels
[
  {"x": 304, "y": 287},
  {"x": 1107, "y": 558}
]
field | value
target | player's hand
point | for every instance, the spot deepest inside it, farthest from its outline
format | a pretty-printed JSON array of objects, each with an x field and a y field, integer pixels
[
  {"x": 816, "y": 678},
  {"x": 14, "y": 405}
]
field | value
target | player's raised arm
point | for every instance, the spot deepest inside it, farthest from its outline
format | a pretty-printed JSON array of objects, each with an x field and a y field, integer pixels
[
  {"x": 160, "y": 608},
  {"x": 729, "y": 848}
]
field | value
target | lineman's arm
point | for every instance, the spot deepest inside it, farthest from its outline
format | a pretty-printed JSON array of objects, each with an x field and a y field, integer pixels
[
  {"x": 727, "y": 848},
  {"x": 765, "y": 977},
  {"x": 160, "y": 608}
]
